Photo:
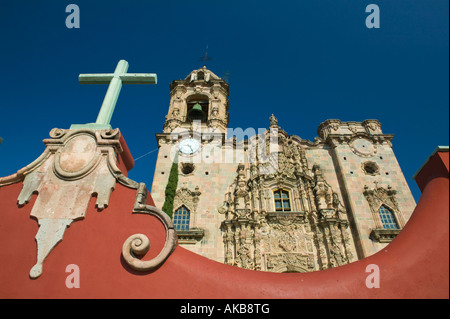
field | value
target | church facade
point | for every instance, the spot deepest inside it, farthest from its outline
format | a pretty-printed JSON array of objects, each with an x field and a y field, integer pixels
[{"x": 272, "y": 201}]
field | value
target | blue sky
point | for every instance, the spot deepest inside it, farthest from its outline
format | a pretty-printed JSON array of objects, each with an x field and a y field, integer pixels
[{"x": 312, "y": 58}]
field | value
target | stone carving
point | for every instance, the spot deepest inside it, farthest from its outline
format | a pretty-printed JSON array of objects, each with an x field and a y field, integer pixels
[
  {"x": 176, "y": 113},
  {"x": 207, "y": 76},
  {"x": 139, "y": 244},
  {"x": 361, "y": 137},
  {"x": 76, "y": 167},
  {"x": 188, "y": 198},
  {"x": 353, "y": 129},
  {"x": 311, "y": 235},
  {"x": 372, "y": 126},
  {"x": 214, "y": 112},
  {"x": 51, "y": 232},
  {"x": 290, "y": 262},
  {"x": 171, "y": 124},
  {"x": 76, "y": 164},
  {"x": 363, "y": 147},
  {"x": 273, "y": 121},
  {"x": 378, "y": 196},
  {"x": 194, "y": 76}
]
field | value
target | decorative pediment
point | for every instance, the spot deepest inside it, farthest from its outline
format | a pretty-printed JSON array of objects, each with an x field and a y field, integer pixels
[
  {"x": 76, "y": 165},
  {"x": 378, "y": 196},
  {"x": 202, "y": 74},
  {"x": 381, "y": 196},
  {"x": 188, "y": 198}
]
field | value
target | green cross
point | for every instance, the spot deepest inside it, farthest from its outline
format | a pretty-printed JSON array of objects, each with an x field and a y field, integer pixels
[{"x": 115, "y": 81}]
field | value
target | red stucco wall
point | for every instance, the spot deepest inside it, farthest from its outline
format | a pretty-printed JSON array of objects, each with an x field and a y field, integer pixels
[{"x": 414, "y": 265}]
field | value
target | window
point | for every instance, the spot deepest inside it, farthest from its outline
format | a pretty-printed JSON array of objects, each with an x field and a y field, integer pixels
[
  {"x": 282, "y": 201},
  {"x": 181, "y": 218},
  {"x": 371, "y": 168},
  {"x": 387, "y": 218},
  {"x": 187, "y": 168}
]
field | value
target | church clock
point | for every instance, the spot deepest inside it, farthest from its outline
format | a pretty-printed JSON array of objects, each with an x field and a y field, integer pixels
[{"x": 189, "y": 146}]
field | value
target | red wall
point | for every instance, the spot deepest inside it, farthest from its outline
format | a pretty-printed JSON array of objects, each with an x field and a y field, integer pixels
[{"x": 414, "y": 265}]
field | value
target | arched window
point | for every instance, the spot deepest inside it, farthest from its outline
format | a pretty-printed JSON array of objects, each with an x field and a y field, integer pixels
[
  {"x": 387, "y": 218},
  {"x": 181, "y": 218},
  {"x": 282, "y": 200},
  {"x": 197, "y": 107}
]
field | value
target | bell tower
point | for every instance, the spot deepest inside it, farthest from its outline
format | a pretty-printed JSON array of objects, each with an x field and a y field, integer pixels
[
  {"x": 201, "y": 97},
  {"x": 194, "y": 138}
]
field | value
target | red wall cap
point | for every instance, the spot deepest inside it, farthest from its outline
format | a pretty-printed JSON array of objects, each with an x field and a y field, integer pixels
[
  {"x": 437, "y": 165},
  {"x": 125, "y": 157}
]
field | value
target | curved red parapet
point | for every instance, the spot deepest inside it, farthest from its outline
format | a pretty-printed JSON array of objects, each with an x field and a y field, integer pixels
[{"x": 414, "y": 265}]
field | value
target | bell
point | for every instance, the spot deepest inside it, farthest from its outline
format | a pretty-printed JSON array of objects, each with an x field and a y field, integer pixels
[{"x": 196, "y": 113}]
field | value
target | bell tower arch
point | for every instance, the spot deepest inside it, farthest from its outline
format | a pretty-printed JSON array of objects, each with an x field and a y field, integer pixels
[{"x": 201, "y": 96}]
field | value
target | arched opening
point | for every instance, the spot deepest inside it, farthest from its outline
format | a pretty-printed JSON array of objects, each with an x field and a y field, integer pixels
[
  {"x": 181, "y": 218},
  {"x": 387, "y": 218},
  {"x": 200, "y": 75},
  {"x": 197, "y": 108}
]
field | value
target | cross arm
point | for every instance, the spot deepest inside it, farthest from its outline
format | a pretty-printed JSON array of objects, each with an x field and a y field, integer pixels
[
  {"x": 127, "y": 78},
  {"x": 104, "y": 78},
  {"x": 139, "y": 78}
]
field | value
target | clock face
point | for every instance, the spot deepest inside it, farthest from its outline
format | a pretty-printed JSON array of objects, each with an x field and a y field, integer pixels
[
  {"x": 363, "y": 147},
  {"x": 189, "y": 146}
]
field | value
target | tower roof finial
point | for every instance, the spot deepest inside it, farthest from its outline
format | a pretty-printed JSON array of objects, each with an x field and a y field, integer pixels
[
  {"x": 273, "y": 121},
  {"x": 205, "y": 58}
]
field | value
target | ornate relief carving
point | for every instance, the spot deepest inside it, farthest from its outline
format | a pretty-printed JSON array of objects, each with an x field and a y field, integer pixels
[
  {"x": 171, "y": 124},
  {"x": 75, "y": 165},
  {"x": 188, "y": 198},
  {"x": 290, "y": 262},
  {"x": 273, "y": 121},
  {"x": 335, "y": 133},
  {"x": 312, "y": 235},
  {"x": 376, "y": 197},
  {"x": 372, "y": 126},
  {"x": 353, "y": 129},
  {"x": 363, "y": 147}
]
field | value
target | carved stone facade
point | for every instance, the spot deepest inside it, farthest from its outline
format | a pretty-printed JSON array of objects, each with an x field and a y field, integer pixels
[
  {"x": 310, "y": 231},
  {"x": 274, "y": 201}
]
